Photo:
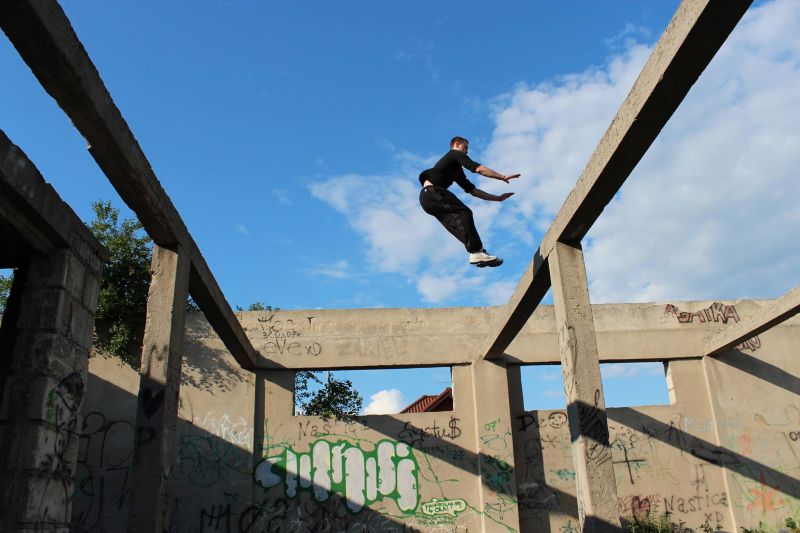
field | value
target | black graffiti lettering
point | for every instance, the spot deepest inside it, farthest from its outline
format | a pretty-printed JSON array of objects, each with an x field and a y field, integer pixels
[
  {"x": 526, "y": 420},
  {"x": 213, "y": 520}
]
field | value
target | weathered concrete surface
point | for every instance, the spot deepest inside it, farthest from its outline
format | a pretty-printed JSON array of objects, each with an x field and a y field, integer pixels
[
  {"x": 697, "y": 458},
  {"x": 364, "y": 338},
  {"x": 583, "y": 391},
  {"x": 33, "y": 215},
  {"x": 776, "y": 312},
  {"x": 491, "y": 403},
  {"x": 159, "y": 387},
  {"x": 42, "y": 395},
  {"x": 44, "y": 344}
]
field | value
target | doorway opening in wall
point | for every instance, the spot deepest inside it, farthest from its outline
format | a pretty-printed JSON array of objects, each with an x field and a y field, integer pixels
[
  {"x": 625, "y": 384},
  {"x": 6, "y": 277},
  {"x": 374, "y": 392}
]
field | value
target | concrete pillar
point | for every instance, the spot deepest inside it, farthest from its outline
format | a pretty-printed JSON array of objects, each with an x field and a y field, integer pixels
[
  {"x": 40, "y": 408},
  {"x": 588, "y": 425},
  {"x": 157, "y": 410},
  {"x": 495, "y": 446}
]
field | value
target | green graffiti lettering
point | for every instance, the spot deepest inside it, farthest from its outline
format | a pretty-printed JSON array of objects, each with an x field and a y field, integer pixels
[{"x": 362, "y": 477}]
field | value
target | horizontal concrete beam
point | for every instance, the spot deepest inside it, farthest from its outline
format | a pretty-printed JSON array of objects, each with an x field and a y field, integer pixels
[
  {"x": 697, "y": 30},
  {"x": 772, "y": 314},
  {"x": 392, "y": 338},
  {"x": 43, "y": 36}
]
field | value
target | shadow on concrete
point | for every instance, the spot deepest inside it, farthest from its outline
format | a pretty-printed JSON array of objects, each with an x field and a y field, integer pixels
[
  {"x": 422, "y": 439},
  {"x": 709, "y": 452},
  {"x": 207, "y": 369},
  {"x": 212, "y": 485},
  {"x": 760, "y": 369},
  {"x": 536, "y": 498},
  {"x": 214, "y": 488}
]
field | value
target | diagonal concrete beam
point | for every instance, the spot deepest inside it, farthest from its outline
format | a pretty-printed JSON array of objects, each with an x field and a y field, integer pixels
[
  {"x": 527, "y": 296},
  {"x": 43, "y": 36},
  {"x": 773, "y": 314},
  {"x": 694, "y": 35}
]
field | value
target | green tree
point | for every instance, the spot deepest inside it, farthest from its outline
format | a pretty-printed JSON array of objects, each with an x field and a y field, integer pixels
[
  {"x": 5, "y": 290},
  {"x": 257, "y": 306},
  {"x": 122, "y": 303},
  {"x": 335, "y": 398}
]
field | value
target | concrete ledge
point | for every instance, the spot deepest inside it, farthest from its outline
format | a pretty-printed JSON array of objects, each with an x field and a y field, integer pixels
[{"x": 388, "y": 338}]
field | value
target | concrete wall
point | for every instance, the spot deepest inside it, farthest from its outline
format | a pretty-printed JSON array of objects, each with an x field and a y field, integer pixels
[{"x": 726, "y": 450}]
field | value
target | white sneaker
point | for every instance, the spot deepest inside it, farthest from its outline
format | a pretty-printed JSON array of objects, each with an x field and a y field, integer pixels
[{"x": 481, "y": 257}]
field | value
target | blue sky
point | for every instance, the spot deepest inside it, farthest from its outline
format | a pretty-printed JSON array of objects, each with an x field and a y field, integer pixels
[{"x": 289, "y": 136}]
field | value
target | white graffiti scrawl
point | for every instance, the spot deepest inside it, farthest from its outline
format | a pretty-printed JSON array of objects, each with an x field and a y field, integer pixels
[{"x": 389, "y": 471}]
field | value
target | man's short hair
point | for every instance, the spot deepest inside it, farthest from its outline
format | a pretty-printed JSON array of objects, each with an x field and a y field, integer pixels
[{"x": 458, "y": 140}]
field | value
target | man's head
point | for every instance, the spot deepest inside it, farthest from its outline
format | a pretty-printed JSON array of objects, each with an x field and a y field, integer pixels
[{"x": 460, "y": 144}]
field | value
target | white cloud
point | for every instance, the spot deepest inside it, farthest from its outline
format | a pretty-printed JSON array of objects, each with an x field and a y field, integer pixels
[
  {"x": 242, "y": 229},
  {"x": 389, "y": 401},
  {"x": 553, "y": 393},
  {"x": 708, "y": 211},
  {"x": 338, "y": 270},
  {"x": 400, "y": 238},
  {"x": 630, "y": 370},
  {"x": 550, "y": 375},
  {"x": 498, "y": 293}
]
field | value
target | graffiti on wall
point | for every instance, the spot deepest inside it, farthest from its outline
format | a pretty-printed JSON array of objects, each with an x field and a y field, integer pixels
[
  {"x": 361, "y": 477},
  {"x": 281, "y": 337},
  {"x": 716, "y": 312}
]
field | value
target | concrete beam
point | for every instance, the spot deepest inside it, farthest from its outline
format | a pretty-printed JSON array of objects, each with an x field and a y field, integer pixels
[
  {"x": 31, "y": 208},
  {"x": 588, "y": 425},
  {"x": 527, "y": 296},
  {"x": 774, "y": 313},
  {"x": 43, "y": 36},
  {"x": 323, "y": 339},
  {"x": 157, "y": 412},
  {"x": 697, "y": 30}
]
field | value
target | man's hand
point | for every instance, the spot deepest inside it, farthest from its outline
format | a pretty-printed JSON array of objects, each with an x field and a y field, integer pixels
[
  {"x": 511, "y": 177},
  {"x": 483, "y": 195}
]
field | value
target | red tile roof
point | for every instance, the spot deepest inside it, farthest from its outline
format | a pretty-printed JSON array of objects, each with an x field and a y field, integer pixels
[{"x": 427, "y": 403}]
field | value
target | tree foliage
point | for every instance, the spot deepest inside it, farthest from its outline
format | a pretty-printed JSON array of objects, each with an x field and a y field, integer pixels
[
  {"x": 336, "y": 398},
  {"x": 257, "y": 306},
  {"x": 5, "y": 290},
  {"x": 122, "y": 303}
]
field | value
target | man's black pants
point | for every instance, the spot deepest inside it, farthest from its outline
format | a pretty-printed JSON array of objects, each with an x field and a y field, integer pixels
[{"x": 453, "y": 214}]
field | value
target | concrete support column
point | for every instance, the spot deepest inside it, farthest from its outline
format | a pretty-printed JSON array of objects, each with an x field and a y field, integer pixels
[
  {"x": 588, "y": 425},
  {"x": 40, "y": 410},
  {"x": 495, "y": 447},
  {"x": 157, "y": 410}
]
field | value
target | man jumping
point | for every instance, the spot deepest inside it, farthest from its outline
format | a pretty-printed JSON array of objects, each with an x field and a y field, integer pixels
[{"x": 456, "y": 217}]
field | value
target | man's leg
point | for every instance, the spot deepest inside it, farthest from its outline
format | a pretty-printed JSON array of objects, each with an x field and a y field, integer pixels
[{"x": 453, "y": 215}]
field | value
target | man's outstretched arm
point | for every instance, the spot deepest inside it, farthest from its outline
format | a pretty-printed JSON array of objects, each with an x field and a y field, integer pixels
[
  {"x": 483, "y": 195},
  {"x": 489, "y": 173}
]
